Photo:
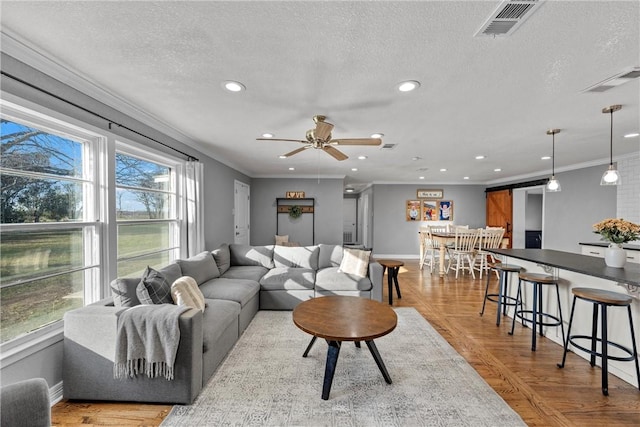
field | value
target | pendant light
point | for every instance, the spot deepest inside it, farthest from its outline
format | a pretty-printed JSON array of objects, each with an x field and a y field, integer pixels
[
  {"x": 553, "y": 185},
  {"x": 611, "y": 175}
]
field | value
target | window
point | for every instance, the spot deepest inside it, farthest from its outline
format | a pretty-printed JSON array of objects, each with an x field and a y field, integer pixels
[
  {"x": 147, "y": 218},
  {"x": 49, "y": 230}
]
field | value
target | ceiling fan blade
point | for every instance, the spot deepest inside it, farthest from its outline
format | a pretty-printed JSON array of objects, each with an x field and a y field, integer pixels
[
  {"x": 356, "y": 141},
  {"x": 291, "y": 153},
  {"x": 323, "y": 130},
  {"x": 337, "y": 154},
  {"x": 278, "y": 139}
]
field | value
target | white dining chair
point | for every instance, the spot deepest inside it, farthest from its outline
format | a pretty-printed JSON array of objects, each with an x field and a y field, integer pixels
[
  {"x": 431, "y": 253},
  {"x": 489, "y": 238},
  {"x": 464, "y": 251}
]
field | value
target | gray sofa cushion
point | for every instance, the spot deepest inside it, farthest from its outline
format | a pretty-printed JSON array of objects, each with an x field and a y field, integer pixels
[
  {"x": 329, "y": 279},
  {"x": 222, "y": 257},
  {"x": 330, "y": 256},
  {"x": 254, "y": 273},
  {"x": 123, "y": 290},
  {"x": 301, "y": 256},
  {"x": 238, "y": 290},
  {"x": 251, "y": 255},
  {"x": 171, "y": 272},
  {"x": 217, "y": 316},
  {"x": 288, "y": 278},
  {"x": 201, "y": 267}
]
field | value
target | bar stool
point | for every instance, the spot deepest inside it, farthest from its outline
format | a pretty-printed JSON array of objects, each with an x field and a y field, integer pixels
[
  {"x": 538, "y": 316},
  {"x": 604, "y": 299},
  {"x": 501, "y": 297}
]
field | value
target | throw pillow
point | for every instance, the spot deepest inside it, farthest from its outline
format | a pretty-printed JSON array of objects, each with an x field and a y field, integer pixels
[
  {"x": 185, "y": 291},
  {"x": 281, "y": 240},
  {"x": 355, "y": 261},
  {"x": 153, "y": 288},
  {"x": 123, "y": 290},
  {"x": 201, "y": 267},
  {"x": 222, "y": 256}
]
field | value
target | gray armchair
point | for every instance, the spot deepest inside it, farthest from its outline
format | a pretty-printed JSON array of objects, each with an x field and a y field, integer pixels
[{"x": 25, "y": 403}]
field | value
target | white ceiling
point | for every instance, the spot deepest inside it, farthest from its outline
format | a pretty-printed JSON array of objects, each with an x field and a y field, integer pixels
[{"x": 479, "y": 95}]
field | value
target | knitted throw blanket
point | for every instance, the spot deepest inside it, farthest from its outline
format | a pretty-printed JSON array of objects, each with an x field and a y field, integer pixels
[{"x": 147, "y": 341}]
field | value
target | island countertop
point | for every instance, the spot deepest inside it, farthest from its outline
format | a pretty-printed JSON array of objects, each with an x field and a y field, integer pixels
[{"x": 584, "y": 264}]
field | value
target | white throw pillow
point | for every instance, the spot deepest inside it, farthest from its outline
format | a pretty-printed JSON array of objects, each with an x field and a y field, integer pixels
[
  {"x": 185, "y": 291},
  {"x": 355, "y": 261},
  {"x": 281, "y": 240}
]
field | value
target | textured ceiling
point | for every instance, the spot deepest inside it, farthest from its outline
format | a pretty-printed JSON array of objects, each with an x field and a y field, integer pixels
[{"x": 489, "y": 96}]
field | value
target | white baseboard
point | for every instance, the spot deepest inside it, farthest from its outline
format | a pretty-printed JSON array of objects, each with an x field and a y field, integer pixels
[
  {"x": 55, "y": 393},
  {"x": 395, "y": 256}
]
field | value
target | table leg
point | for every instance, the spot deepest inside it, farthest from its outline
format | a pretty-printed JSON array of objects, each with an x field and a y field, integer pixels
[
  {"x": 376, "y": 356},
  {"x": 306, "y": 352},
  {"x": 390, "y": 284},
  {"x": 395, "y": 279},
  {"x": 330, "y": 368}
]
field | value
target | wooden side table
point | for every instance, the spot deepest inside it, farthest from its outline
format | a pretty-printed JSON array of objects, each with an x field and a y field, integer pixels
[{"x": 393, "y": 267}]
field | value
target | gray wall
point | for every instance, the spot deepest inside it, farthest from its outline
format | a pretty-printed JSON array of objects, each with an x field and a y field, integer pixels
[
  {"x": 570, "y": 214},
  {"x": 396, "y": 236},
  {"x": 533, "y": 214},
  {"x": 328, "y": 209}
]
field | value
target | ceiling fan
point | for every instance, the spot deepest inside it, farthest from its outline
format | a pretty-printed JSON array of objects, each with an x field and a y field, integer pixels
[{"x": 320, "y": 138}]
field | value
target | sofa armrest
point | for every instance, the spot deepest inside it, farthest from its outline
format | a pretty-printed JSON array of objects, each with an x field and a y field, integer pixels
[
  {"x": 89, "y": 353},
  {"x": 375, "y": 275}
]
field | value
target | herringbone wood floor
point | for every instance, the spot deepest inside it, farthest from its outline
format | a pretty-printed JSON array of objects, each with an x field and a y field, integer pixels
[{"x": 528, "y": 381}]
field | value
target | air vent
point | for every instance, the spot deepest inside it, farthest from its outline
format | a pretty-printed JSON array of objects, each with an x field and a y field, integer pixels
[
  {"x": 622, "y": 77},
  {"x": 388, "y": 146},
  {"x": 507, "y": 18}
]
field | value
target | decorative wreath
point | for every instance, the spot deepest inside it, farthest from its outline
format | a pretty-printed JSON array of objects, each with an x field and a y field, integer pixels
[{"x": 295, "y": 211}]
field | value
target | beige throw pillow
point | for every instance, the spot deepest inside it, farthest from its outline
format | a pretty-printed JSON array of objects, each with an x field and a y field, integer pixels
[
  {"x": 185, "y": 291},
  {"x": 282, "y": 240},
  {"x": 355, "y": 261}
]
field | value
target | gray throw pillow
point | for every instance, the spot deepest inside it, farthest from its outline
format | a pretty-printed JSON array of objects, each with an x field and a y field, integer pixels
[
  {"x": 201, "y": 267},
  {"x": 222, "y": 257},
  {"x": 154, "y": 288},
  {"x": 123, "y": 290}
]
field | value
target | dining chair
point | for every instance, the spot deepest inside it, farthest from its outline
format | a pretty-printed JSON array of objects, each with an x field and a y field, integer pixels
[
  {"x": 489, "y": 238},
  {"x": 464, "y": 250},
  {"x": 431, "y": 247}
]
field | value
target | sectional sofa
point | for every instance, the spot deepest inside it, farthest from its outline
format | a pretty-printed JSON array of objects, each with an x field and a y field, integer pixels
[{"x": 236, "y": 281}]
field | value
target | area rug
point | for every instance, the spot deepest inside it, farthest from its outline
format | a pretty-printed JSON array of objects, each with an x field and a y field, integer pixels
[{"x": 265, "y": 381}]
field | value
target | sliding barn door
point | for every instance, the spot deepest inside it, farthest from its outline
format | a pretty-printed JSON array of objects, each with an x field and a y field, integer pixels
[{"x": 500, "y": 211}]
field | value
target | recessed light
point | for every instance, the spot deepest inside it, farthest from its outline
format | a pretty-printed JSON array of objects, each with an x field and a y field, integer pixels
[
  {"x": 416, "y": 158},
  {"x": 362, "y": 157},
  {"x": 465, "y": 177},
  {"x": 443, "y": 170},
  {"x": 422, "y": 177},
  {"x": 292, "y": 169},
  {"x": 232, "y": 86},
  {"x": 497, "y": 170},
  {"x": 354, "y": 169},
  {"x": 632, "y": 135},
  {"x": 480, "y": 157},
  {"x": 349, "y": 190},
  {"x": 408, "y": 86},
  {"x": 267, "y": 135},
  {"x": 377, "y": 135},
  {"x": 545, "y": 158}
]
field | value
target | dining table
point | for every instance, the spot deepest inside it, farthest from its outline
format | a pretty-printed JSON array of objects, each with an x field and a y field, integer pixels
[{"x": 445, "y": 239}]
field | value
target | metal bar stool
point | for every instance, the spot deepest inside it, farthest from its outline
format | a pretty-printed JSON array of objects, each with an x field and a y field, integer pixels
[
  {"x": 538, "y": 316},
  {"x": 501, "y": 297},
  {"x": 604, "y": 299}
]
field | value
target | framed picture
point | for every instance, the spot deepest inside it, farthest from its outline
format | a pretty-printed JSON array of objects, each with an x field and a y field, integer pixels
[
  {"x": 430, "y": 194},
  {"x": 412, "y": 210},
  {"x": 430, "y": 210},
  {"x": 445, "y": 209}
]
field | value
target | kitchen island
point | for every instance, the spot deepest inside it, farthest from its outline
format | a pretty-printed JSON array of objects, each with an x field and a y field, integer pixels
[{"x": 576, "y": 270}]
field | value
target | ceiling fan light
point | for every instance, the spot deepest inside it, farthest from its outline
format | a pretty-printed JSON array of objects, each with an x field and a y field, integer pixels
[
  {"x": 408, "y": 86},
  {"x": 377, "y": 135},
  {"x": 611, "y": 176},
  {"x": 267, "y": 135},
  {"x": 553, "y": 185}
]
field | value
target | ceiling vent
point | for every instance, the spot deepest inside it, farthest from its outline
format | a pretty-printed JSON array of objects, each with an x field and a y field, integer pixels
[
  {"x": 388, "y": 146},
  {"x": 507, "y": 18},
  {"x": 624, "y": 76}
]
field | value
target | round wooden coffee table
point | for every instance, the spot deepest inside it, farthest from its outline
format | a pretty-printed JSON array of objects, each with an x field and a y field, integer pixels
[{"x": 343, "y": 318}]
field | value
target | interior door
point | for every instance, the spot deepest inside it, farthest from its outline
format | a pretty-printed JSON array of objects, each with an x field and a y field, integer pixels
[
  {"x": 500, "y": 211},
  {"x": 349, "y": 217},
  {"x": 241, "y": 213}
]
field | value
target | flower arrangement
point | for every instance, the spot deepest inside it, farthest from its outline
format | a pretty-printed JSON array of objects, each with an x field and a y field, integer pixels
[{"x": 617, "y": 230}]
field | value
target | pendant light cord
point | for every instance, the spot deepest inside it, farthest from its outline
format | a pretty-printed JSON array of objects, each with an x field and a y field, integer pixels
[
  {"x": 611, "y": 141},
  {"x": 553, "y": 154}
]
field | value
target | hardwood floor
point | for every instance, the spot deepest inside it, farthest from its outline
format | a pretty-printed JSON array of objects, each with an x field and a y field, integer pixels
[{"x": 528, "y": 381}]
